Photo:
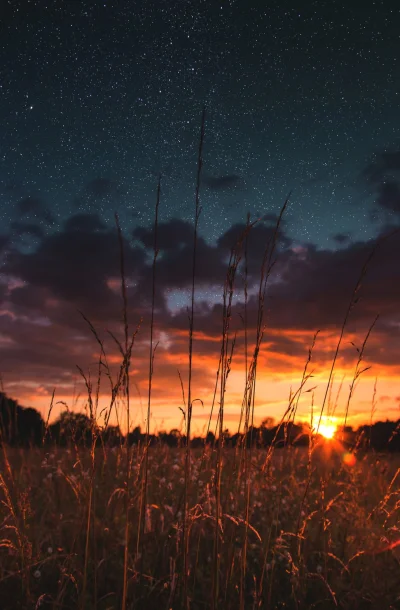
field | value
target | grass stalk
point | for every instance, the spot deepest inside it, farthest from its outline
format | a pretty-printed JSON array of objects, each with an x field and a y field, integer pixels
[
  {"x": 144, "y": 486},
  {"x": 185, "y": 533}
]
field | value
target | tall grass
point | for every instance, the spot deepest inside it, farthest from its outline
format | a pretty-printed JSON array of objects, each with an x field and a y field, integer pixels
[{"x": 197, "y": 212}]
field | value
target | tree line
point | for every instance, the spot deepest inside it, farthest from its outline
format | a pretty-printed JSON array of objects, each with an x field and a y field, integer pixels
[{"x": 25, "y": 427}]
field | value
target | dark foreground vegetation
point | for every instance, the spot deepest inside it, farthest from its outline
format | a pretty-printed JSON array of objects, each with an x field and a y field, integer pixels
[{"x": 319, "y": 533}]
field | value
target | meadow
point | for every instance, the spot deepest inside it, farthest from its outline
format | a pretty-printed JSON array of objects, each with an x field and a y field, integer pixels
[{"x": 295, "y": 530}]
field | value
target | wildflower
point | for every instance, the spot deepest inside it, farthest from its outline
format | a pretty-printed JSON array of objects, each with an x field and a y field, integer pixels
[
  {"x": 319, "y": 569},
  {"x": 37, "y": 574},
  {"x": 50, "y": 475},
  {"x": 273, "y": 488},
  {"x": 162, "y": 481},
  {"x": 181, "y": 480},
  {"x": 175, "y": 467},
  {"x": 50, "y": 550}
]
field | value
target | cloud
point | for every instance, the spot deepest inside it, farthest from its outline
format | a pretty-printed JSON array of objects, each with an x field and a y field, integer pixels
[
  {"x": 34, "y": 207},
  {"x": 4, "y": 242},
  {"x": 174, "y": 265},
  {"x": 260, "y": 238},
  {"x": 171, "y": 235},
  {"x": 84, "y": 223},
  {"x": 316, "y": 285},
  {"x": 26, "y": 228},
  {"x": 77, "y": 267},
  {"x": 222, "y": 183},
  {"x": 341, "y": 238},
  {"x": 76, "y": 263},
  {"x": 388, "y": 196},
  {"x": 384, "y": 163},
  {"x": 383, "y": 178},
  {"x": 97, "y": 191}
]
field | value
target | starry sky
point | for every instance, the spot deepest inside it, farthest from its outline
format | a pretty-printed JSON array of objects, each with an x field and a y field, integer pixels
[{"x": 99, "y": 98}]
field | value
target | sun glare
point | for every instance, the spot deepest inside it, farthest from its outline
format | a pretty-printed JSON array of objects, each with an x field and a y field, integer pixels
[{"x": 327, "y": 427}]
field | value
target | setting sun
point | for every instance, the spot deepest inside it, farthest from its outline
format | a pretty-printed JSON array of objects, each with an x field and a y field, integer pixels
[{"x": 327, "y": 427}]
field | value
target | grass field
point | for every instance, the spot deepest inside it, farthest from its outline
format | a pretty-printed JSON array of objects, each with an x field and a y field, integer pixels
[{"x": 317, "y": 531}]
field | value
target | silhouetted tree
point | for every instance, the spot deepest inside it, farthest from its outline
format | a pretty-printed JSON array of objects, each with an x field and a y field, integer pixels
[
  {"x": 24, "y": 427},
  {"x": 19, "y": 426},
  {"x": 71, "y": 427}
]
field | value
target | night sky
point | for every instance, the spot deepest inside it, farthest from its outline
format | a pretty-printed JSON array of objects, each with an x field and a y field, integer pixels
[{"x": 98, "y": 98}]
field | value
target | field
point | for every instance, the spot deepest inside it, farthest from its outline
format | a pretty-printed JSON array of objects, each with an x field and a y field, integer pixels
[{"x": 296, "y": 530}]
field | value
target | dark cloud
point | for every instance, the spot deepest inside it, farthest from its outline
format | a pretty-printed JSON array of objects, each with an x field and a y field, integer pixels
[
  {"x": 316, "y": 286},
  {"x": 383, "y": 178},
  {"x": 387, "y": 162},
  {"x": 260, "y": 238},
  {"x": 341, "y": 238},
  {"x": 388, "y": 196},
  {"x": 29, "y": 299},
  {"x": 309, "y": 289},
  {"x": 29, "y": 205},
  {"x": 174, "y": 264},
  {"x": 84, "y": 223},
  {"x": 97, "y": 191},
  {"x": 76, "y": 262},
  {"x": 3, "y": 292},
  {"x": 171, "y": 235},
  {"x": 34, "y": 207},
  {"x": 222, "y": 183},
  {"x": 26, "y": 228},
  {"x": 4, "y": 242},
  {"x": 174, "y": 268}
]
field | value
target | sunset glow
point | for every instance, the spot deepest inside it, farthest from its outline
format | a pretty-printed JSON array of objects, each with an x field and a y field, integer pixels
[{"x": 327, "y": 427}]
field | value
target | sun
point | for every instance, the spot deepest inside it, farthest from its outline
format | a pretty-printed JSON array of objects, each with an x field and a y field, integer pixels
[{"x": 327, "y": 427}]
